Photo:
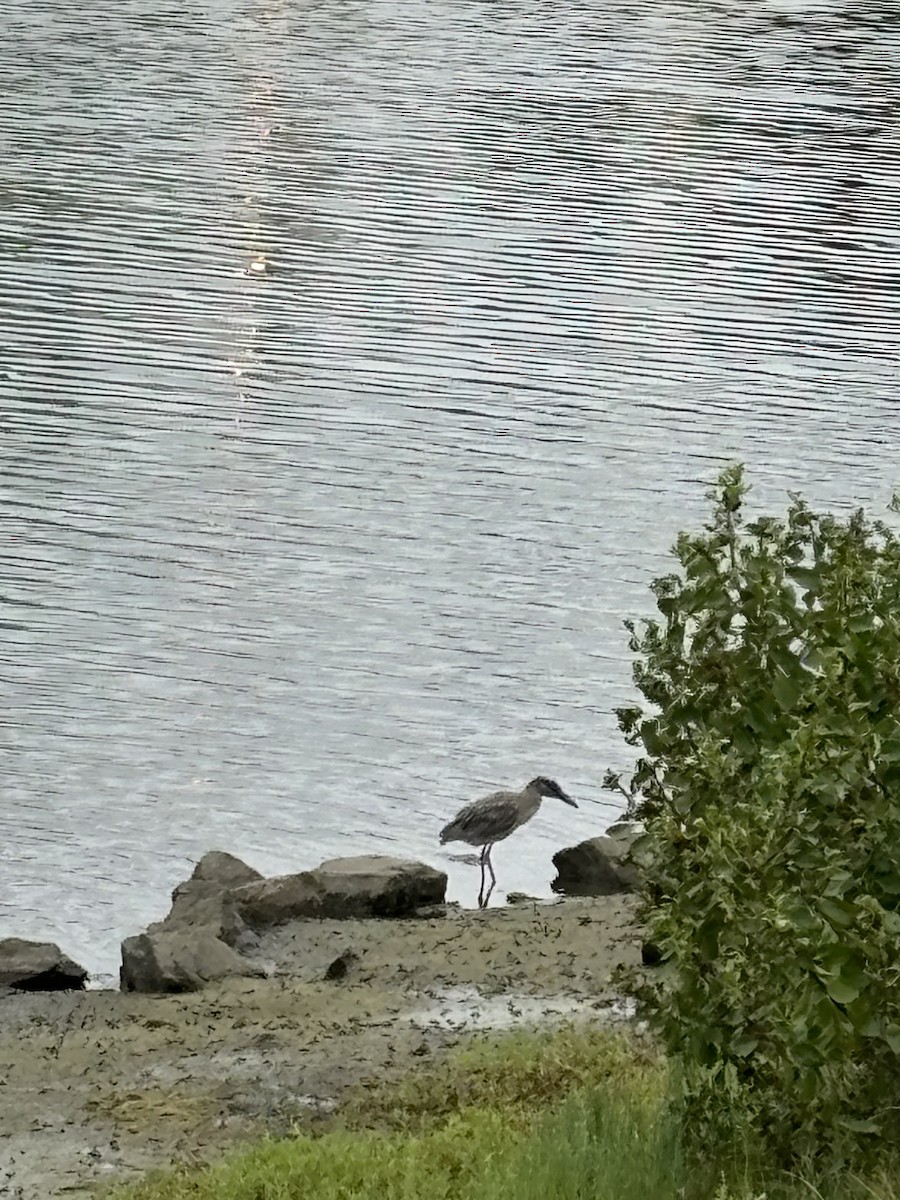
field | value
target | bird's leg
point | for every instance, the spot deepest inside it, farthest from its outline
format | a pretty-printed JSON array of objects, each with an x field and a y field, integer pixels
[
  {"x": 481, "y": 861},
  {"x": 490, "y": 867}
]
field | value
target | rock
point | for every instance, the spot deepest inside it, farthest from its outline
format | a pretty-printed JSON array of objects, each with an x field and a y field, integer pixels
[
  {"x": 204, "y": 901},
  {"x": 179, "y": 961},
  {"x": 274, "y": 901},
  {"x": 367, "y": 886},
  {"x": 521, "y": 898},
  {"x": 379, "y": 886},
  {"x": 429, "y": 912},
  {"x": 224, "y": 869},
  {"x": 341, "y": 965},
  {"x": 199, "y": 904},
  {"x": 600, "y": 866},
  {"x": 38, "y": 967}
]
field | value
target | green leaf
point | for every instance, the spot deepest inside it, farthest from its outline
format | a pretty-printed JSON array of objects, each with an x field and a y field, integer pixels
[
  {"x": 838, "y": 912},
  {"x": 802, "y": 918},
  {"x": 859, "y": 1125},
  {"x": 865, "y": 1022},
  {"x": 809, "y": 578},
  {"x": 841, "y": 990},
  {"x": 785, "y": 658},
  {"x": 744, "y": 741},
  {"x": 744, "y": 1045},
  {"x": 759, "y": 719},
  {"x": 861, "y": 622},
  {"x": 816, "y": 658},
  {"x": 787, "y": 690}
]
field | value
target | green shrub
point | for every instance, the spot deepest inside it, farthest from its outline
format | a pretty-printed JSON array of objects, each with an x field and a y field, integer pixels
[{"x": 769, "y": 787}]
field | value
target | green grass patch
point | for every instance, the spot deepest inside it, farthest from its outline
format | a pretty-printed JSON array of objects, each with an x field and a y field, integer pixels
[
  {"x": 609, "y": 1143},
  {"x": 570, "y": 1115},
  {"x": 443, "y": 1164},
  {"x": 449, "y": 1130},
  {"x": 523, "y": 1075}
]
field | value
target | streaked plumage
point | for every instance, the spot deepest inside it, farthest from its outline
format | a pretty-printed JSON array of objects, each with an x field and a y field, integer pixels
[{"x": 495, "y": 817}]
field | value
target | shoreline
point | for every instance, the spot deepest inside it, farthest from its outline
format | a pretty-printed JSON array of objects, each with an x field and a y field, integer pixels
[{"x": 102, "y": 1085}]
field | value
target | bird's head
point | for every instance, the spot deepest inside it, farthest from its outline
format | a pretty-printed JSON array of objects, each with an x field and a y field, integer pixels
[{"x": 549, "y": 787}]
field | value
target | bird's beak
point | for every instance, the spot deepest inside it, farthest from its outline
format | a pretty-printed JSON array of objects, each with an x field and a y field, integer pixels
[{"x": 567, "y": 799}]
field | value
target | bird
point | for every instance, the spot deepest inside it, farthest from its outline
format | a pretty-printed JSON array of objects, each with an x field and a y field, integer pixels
[{"x": 495, "y": 817}]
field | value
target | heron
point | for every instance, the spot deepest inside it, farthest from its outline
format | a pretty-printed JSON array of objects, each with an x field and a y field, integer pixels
[{"x": 495, "y": 817}]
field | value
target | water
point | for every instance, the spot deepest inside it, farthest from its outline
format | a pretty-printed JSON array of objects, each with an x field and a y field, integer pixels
[{"x": 359, "y": 363}]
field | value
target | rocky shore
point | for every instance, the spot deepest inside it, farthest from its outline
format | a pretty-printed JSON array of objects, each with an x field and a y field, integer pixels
[{"x": 98, "y": 1085}]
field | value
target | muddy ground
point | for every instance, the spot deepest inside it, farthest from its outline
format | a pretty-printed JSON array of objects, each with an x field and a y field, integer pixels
[{"x": 96, "y": 1086}]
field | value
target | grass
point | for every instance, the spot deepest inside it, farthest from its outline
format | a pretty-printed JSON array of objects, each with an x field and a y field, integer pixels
[
  {"x": 599, "y": 1144},
  {"x": 522, "y": 1075},
  {"x": 568, "y": 1115},
  {"x": 447, "y": 1132}
]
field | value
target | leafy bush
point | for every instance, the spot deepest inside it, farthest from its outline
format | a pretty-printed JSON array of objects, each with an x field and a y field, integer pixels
[{"x": 769, "y": 787}]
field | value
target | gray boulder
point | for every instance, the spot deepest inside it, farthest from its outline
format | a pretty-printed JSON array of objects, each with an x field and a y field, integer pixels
[
  {"x": 197, "y": 905},
  {"x": 224, "y": 869},
  {"x": 37, "y": 967},
  {"x": 600, "y": 866},
  {"x": 366, "y": 886},
  {"x": 379, "y": 886},
  {"x": 219, "y": 909},
  {"x": 274, "y": 901},
  {"x": 204, "y": 901},
  {"x": 179, "y": 961},
  {"x": 197, "y": 941}
]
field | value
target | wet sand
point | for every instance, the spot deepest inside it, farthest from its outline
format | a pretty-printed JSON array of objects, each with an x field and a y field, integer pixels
[{"x": 96, "y": 1086}]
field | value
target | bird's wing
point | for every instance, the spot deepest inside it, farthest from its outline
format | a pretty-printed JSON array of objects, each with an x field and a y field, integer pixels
[{"x": 483, "y": 821}]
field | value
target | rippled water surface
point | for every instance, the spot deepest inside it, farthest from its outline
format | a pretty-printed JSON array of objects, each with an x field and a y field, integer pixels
[{"x": 359, "y": 363}]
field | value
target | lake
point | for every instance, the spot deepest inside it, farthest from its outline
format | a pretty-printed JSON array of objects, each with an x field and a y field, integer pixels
[{"x": 359, "y": 363}]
